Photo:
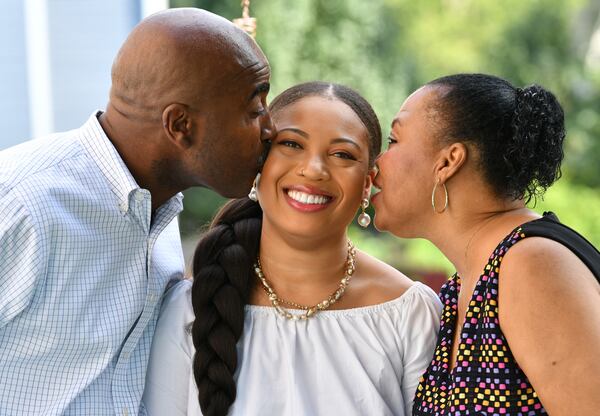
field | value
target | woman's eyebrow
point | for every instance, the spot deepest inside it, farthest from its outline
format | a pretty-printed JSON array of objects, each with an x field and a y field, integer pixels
[
  {"x": 294, "y": 130},
  {"x": 345, "y": 140},
  {"x": 306, "y": 136}
]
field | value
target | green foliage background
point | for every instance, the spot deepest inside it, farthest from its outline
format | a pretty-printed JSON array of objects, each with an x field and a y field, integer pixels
[{"x": 387, "y": 48}]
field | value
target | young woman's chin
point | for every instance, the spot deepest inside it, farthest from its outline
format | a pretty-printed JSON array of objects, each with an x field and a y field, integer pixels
[
  {"x": 315, "y": 225},
  {"x": 313, "y": 233}
]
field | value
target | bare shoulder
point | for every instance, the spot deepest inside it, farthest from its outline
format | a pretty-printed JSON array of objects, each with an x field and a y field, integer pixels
[
  {"x": 544, "y": 289},
  {"x": 538, "y": 263},
  {"x": 549, "y": 312},
  {"x": 378, "y": 282},
  {"x": 538, "y": 272}
]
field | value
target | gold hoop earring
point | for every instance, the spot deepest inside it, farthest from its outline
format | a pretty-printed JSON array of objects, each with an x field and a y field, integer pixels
[
  {"x": 364, "y": 219},
  {"x": 253, "y": 194},
  {"x": 433, "y": 197}
]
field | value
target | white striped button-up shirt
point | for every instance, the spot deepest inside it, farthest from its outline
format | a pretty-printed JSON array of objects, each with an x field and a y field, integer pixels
[{"x": 83, "y": 266}]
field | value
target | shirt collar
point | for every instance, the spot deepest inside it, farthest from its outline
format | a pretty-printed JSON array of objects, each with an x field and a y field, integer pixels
[{"x": 113, "y": 168}]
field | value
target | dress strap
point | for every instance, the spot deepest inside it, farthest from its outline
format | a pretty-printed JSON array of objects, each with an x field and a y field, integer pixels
[{"x": 510, "y": 240}]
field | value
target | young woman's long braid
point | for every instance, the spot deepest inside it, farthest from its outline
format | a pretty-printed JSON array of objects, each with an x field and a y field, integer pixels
[
  {"x": 223, "y": 280},
  {"x": 224, "y": 265}
]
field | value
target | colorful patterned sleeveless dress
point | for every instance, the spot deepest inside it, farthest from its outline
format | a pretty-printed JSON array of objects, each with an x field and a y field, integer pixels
[{"x": 486, "y": 379}]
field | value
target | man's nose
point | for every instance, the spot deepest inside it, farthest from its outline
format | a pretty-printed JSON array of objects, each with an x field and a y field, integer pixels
[{"x": 268, "y": 131}]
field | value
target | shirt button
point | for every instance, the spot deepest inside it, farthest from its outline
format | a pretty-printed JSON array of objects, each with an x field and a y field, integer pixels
[
  {"x": 125, "y": 411},
  {"x": 139, "y": 196}
]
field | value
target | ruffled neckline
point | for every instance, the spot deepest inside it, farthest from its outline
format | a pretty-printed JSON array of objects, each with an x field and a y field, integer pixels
[{"x": 361, "y": 310}]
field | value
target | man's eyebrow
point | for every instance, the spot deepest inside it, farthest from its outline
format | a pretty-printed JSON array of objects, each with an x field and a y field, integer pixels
[{"x": 264, "y": 87}]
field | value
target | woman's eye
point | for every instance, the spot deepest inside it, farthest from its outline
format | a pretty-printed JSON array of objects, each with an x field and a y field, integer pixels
[
  {"x": 344, "y": 155},
  {"x": 391, "y": 141},
  {"x": 290, "y": 143}
]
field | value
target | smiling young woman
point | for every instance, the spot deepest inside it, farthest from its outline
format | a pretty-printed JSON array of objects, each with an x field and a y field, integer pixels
[
  {"x": 288, "y": 316},
  {"x": 315, "y": 166}
]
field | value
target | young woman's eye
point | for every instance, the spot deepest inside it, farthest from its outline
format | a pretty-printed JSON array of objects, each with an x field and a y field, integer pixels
[
  {"x": 344, "y": 155},
  {"x": 290, "y": 143},
  {"x": 391, "y": 140}
]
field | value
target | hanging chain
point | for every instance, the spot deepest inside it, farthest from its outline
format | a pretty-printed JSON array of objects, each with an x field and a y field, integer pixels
[
  {"x": 245, "y": 9},
  {"x": 246, "y": 23}
]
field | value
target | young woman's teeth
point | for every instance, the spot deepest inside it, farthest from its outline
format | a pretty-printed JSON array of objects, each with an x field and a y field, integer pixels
[{"x": 305, "y": 198}]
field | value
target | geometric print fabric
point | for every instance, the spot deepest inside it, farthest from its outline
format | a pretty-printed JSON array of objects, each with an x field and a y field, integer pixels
[{"x": 486, "y": 379}]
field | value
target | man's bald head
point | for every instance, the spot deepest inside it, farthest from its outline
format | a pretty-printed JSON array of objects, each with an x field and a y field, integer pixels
[
  {"x": 188, "y": 104},
  {"x": 179, "y": 56}
]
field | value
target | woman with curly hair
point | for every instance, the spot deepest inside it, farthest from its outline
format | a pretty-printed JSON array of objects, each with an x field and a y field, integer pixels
[
  {"x": 289, "y": 318},
  {"x": 520, "y": 330}
]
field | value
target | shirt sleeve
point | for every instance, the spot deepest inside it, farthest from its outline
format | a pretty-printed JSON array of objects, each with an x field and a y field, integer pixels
[
  {"x": 170, "y": 366},
  {"x": 22, "y": 257},
  {"x": 419, "y": 340}
]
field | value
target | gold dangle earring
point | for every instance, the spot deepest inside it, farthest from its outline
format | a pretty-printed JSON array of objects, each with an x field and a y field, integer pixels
[
  {"x": 364, "y": 219},
  {"x": 433, "y": 197},
  {"x": 253, "y": 194}
]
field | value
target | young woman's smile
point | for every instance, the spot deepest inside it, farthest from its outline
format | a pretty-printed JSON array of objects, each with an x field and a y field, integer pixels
[{"x": 307, "y": 198}]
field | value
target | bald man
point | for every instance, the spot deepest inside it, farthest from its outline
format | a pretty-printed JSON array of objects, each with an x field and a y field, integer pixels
[{"x": 89, "y": 237}]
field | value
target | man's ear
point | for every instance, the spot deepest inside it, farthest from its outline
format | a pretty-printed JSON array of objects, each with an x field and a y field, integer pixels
[
  {"x": 179, "y": 126},
  {"x": 451, "y": 159}
]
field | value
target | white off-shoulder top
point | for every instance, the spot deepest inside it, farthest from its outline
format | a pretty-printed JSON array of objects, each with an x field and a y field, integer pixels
[{"x": 362, "y": 361}]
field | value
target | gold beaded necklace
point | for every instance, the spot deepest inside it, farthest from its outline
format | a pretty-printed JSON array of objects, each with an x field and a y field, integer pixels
[{"x": 309, "y": 311}]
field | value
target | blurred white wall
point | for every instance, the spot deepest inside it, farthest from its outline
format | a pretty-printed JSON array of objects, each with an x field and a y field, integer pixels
[
  {"x": 55, "y": 59},
  {"x": 14, "y": 102}
]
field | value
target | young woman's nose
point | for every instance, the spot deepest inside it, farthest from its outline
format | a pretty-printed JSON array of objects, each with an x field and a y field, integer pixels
[{"x": 314, "y": 168}]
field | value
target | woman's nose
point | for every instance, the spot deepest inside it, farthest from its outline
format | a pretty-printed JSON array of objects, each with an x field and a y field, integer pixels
[{"x": 314, "y": 168}]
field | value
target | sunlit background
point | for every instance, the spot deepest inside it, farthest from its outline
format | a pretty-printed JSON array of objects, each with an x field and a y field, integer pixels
[{"x": 55, "y": 58}]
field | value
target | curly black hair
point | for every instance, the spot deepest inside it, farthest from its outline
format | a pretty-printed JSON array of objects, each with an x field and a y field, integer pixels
[
  {"x": 223, "y": 266},
  {"x": 519, "y": 132}
]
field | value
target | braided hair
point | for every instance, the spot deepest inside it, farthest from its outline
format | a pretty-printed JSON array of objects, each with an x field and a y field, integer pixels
[
  {"x": 518, "y": 132},
  {"x": 223, "y": 266}
]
